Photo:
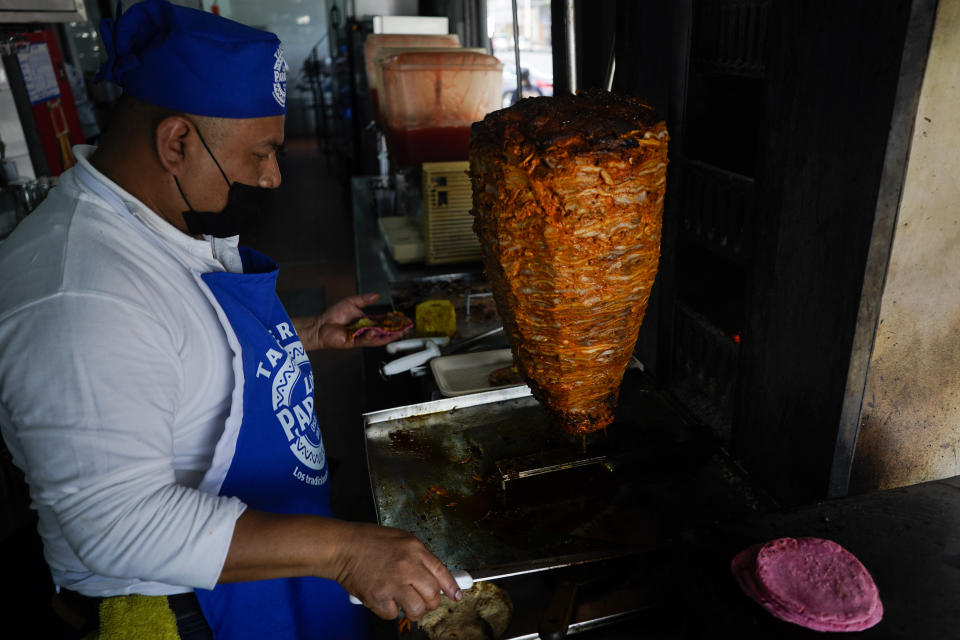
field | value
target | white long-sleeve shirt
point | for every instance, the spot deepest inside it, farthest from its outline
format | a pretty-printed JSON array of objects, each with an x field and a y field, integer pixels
[{"x": 115, "y": 383}]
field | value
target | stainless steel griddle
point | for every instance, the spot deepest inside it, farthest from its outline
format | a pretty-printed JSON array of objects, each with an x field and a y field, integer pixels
[{"x": 485, "y": 480}]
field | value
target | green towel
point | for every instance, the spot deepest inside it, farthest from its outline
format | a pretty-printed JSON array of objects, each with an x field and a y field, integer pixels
[{"x": 136, "y": 617}]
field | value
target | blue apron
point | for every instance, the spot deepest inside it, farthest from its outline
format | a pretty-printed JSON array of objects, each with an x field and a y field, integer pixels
[{"x": 271, "y": 453}]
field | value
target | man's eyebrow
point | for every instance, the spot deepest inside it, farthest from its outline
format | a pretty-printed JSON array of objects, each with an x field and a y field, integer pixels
[{"x": 275, "y": 144}]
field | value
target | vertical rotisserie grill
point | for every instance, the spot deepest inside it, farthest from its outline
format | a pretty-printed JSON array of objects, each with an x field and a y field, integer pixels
[{"x": 568, "y": 201}]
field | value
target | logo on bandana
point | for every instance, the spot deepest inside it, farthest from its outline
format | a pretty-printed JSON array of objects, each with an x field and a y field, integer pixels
[
  {"x": 291, "y": 393},
  {"x": 280, "y": 77}
]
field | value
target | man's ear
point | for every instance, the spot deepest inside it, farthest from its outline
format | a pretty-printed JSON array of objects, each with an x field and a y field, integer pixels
[{"x": 171, "y": 136}]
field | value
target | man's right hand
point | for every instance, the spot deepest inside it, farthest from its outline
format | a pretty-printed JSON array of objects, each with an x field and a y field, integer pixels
[{"x": 386, "y": 568}]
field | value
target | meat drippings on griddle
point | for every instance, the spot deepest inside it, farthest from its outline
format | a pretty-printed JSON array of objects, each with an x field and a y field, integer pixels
[{"x": 567, "y": 203}]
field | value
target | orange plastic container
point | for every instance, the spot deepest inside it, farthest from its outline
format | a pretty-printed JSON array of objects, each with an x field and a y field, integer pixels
[
  {"x": 386, "y": 52},
  {"x": 378, "y": 41},
  {"x": 432, "y": 98}
]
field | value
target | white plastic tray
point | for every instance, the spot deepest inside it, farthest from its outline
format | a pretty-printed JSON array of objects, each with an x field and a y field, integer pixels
[
  {"x": 465, "y": 373},
  {"x": 403, "y": 237}
]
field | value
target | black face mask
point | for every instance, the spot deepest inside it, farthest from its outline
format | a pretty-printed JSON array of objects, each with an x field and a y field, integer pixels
[{"x": 244, "y": 203}]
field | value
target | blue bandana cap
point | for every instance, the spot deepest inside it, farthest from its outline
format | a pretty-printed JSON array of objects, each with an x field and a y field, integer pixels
[{"x": 194, "y": 62}]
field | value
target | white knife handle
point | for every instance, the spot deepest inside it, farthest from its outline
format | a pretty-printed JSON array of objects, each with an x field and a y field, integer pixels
[
  {"x": 410, "y": 344},
  {"x": 409, "y": 362},
  {"x": 464, "y": 581}
]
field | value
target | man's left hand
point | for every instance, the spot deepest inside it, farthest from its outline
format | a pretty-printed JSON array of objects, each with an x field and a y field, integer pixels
[{"x": 329, "y": 329}]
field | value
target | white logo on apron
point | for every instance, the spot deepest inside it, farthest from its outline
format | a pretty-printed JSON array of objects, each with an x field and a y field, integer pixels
[{"x": 298, "y": 419}]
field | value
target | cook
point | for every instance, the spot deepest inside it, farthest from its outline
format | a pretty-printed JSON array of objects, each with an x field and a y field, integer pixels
[{"x": 153, "y": 389}]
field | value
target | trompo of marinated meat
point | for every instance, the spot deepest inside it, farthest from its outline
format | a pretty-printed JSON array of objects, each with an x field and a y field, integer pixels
[{"x": 567, "y": 202}]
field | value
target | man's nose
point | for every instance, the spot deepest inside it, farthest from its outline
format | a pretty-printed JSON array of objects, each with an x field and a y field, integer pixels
[{"x": 271, "y": 179}]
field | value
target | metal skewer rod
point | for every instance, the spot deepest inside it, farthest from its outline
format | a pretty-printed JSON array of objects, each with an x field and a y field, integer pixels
[
  {"x": 612, "y": 65},
  {"x": 571, "y": 28},
  {"x": 516, "y": 49}
]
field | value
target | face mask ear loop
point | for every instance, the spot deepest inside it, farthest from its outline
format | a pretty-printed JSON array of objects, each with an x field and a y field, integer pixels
[
  {"x": 213, "y": 157},
  {"x": 182, "y": 194}
]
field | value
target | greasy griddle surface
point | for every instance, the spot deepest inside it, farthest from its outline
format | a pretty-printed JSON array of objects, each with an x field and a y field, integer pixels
[{"x": 435, "y": 475}]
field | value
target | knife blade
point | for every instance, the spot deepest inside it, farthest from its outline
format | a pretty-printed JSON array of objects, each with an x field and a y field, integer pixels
[
  {"x": 524, "y": 567},
  {"x": 466, "y": 579}
]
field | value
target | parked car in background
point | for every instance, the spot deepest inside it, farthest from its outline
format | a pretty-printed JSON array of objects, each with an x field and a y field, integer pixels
[{"x": 535, "y": 83}]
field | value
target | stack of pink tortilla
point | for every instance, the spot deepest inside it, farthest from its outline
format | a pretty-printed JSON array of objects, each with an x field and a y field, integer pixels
[{"x": 812, "y": 582}]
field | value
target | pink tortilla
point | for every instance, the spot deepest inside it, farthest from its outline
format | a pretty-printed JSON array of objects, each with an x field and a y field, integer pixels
[
  {"x": 795, "y": 590},
  {"x": 818, "y": 578},
  {"x": 378, "y": 331}
]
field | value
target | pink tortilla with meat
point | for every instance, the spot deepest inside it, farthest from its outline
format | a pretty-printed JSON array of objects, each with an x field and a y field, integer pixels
[
  {"x": 810, "y": 582},
  {"x": 393, "y": 324}
]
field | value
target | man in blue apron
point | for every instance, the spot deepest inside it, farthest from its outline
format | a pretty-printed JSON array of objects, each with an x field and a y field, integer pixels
[{"x": 179, "y": 460}]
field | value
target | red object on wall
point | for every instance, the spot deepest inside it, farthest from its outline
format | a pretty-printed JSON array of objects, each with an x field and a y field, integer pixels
[{"x": 56, "y": 119}]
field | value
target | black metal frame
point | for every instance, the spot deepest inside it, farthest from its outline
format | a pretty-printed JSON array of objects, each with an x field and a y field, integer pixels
[{"x": 780, "y": 174}]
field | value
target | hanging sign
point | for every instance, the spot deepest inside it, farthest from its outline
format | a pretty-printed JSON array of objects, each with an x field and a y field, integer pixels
[{"x": 38, "y": 73}]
